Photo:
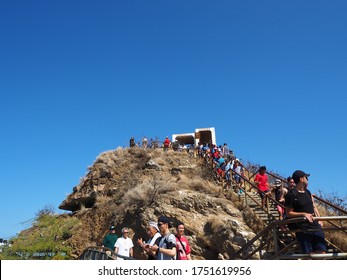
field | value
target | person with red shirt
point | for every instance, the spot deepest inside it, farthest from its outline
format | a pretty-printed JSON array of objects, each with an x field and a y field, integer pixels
[
  {"x": 166, "y": 143},
  {"x": 182, "y": 244},
  {"x": 261, "y": 180}
]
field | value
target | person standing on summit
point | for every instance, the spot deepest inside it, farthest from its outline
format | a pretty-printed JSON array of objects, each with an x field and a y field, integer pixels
[
  {"x": 166, "y": 143},
  {"x": 132, "y": 142}
]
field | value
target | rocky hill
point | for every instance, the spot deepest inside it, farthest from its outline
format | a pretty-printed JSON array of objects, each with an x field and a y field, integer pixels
[{"x": 131, "y": 186}]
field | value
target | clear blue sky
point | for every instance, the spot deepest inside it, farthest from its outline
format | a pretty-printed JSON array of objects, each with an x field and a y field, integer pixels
[{"x": 81, "y": 77}]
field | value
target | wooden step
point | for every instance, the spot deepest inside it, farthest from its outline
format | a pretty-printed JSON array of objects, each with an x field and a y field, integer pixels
[{"x": 260, "y": 211}]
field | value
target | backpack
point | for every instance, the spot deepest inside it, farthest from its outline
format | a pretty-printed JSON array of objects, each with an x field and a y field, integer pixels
[
  {"x": 168, "y": 244},
  {"x": 294, "y": 226}
]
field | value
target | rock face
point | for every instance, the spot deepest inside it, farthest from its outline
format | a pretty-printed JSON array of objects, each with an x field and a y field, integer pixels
[{"x": 130, "y": 187}]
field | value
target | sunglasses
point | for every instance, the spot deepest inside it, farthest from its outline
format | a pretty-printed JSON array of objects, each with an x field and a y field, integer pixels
[{"x": 160, "y": 224}]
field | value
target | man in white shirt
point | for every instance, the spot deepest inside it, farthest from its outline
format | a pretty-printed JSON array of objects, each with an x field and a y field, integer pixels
[{"x": 124, "y": 245}]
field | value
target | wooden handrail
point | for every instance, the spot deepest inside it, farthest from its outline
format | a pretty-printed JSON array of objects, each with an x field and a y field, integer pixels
[
  {"x": 276, "y": 176},
  {"x": 256, "y": 187},
  {"x": 277, "y": 224},
  {"x": 330, "y": 204},
  {"x": 341, "y": 210}
]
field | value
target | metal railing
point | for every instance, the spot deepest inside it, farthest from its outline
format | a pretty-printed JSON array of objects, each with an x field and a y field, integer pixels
[
  {"x": 101, "y": 253},
  {"x": 269, "y": 237}
]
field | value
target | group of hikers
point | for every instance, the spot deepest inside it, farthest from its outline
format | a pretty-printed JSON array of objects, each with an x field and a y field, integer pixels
[
  {"x": 161, "y": 243},
  {"x": 166, "y": 144},
  {"x": 293, "y": 197},
  {"x": 151, "y": 143}
]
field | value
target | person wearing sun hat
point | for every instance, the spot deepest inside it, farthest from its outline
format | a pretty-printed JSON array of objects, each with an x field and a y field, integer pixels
[
  {"x": 166, "y": 249},
  {"x": 154, "y": 234},
  {"x": 299, "y": 203}
]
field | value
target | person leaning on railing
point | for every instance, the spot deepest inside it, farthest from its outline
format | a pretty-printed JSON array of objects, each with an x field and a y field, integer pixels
[{"x": 299, "y": 203}]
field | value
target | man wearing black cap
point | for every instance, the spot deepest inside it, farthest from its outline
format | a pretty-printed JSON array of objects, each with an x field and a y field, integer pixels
[
  {"x": 110, "y": 238},
  {"x": 299, "y": 203},
  {"x": 166, "y": 250}
]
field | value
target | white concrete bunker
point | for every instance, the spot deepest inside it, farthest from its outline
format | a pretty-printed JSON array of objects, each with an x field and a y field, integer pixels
[{"x": 202, "y": 135}]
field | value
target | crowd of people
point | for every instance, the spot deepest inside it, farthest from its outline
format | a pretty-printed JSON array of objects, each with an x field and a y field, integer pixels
[
  {"x": 146, "y": 143},
  {"x": 162, "y": 244},
  {"x": 153, "y": 143},
  {"x": 293, "y": 198}
]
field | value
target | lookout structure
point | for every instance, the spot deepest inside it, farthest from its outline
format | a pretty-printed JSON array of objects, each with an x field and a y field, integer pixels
[{"x": 202, "y": 135}]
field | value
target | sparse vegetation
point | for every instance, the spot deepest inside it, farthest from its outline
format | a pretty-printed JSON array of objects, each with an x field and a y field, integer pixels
[
  {"x": 127, "y": 193},
  {"x": 335, "y": 199},
  {"x": 46, "y": 239}
]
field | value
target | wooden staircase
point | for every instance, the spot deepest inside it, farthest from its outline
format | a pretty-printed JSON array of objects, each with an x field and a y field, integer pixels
[
  {"x": 276, "y": 240},
  {"x": 255, "y": 205}
]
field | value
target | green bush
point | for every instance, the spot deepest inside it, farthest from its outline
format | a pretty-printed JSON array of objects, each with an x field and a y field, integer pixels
[{"x": 46, "y": 239}]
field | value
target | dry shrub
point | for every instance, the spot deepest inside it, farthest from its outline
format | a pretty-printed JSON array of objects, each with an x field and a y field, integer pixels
[
  {"x": 338, "y": 238},
  {"x": 251, "y": 219},
  {"x": 120, "y": 152},
  {"x": 160, "y": 161},
  {"x": 83, "y": 209},
  {"x": 138, "y": 153},
  {"x": 323, "y": 211},
  {"x": 154, "y": 153},
  {"x": 203, "y": 186},
  {"x": 183, "y": 181},
  {"x": 170, "y": 153},
  {"x": 145, "y": 193},
  {"x": 167, "y": 188},
  {"x": 214, "y": 226},
  {"x": 111, "y": 158},
  {"x": 102, "y": 198}
]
